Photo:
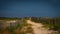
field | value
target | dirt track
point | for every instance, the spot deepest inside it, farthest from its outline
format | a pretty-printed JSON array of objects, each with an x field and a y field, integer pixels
[{"x": 37, "y": 28}]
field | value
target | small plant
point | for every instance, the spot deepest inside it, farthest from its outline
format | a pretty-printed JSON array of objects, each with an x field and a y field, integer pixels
[{"x": 11, "y": 29}]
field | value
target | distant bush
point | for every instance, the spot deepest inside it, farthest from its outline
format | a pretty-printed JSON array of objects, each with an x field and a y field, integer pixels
[{"x": 9, "y": 18}]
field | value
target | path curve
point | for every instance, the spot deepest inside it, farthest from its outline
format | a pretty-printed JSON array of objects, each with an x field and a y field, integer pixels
[{"x": 37, "y": 28}]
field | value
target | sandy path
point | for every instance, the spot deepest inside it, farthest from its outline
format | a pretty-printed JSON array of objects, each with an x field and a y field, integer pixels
[{"x": 37, "y": 28}]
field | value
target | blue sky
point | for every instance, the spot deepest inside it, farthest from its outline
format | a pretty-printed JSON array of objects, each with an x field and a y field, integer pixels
[{"x": 22, "y": 8}]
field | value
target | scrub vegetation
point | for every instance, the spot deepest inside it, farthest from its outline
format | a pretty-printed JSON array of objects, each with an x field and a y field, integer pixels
[
  {"x": 8, "y": 18},
  {"x": 10, "y": 25},
  {"x": 18, "y": 27},
  {"x": 51, "y": 23}
]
